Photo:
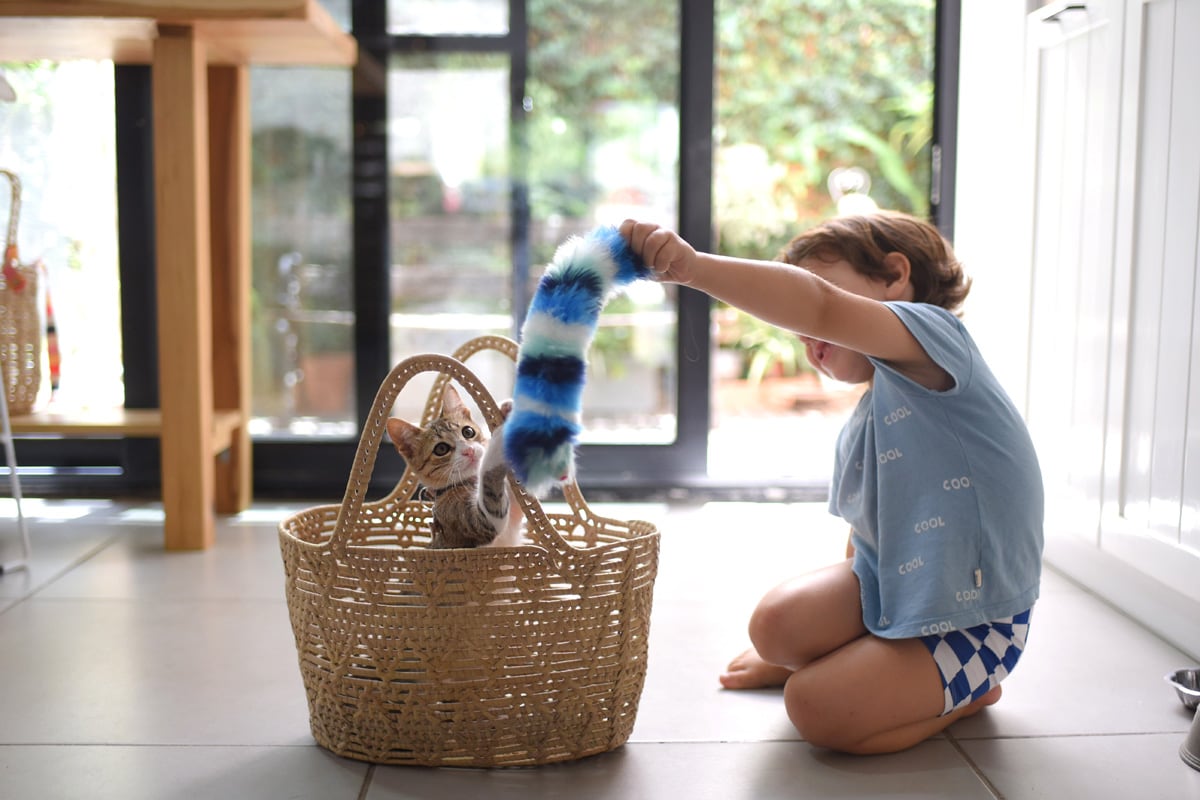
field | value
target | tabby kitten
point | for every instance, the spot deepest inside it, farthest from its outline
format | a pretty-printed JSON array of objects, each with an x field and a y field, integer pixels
[{"x": 465, "y": 475}]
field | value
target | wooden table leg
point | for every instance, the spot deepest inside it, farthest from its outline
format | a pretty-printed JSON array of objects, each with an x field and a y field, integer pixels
[
  {"x": 181, "y": 177},
  {"x": 229, "y": 166}
]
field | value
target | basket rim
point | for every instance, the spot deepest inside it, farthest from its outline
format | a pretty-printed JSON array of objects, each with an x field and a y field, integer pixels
[{"x": 326, "y": 546}]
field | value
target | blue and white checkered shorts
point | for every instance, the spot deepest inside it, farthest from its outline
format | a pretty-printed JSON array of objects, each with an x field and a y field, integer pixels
[{"x": 973, "y": 661}]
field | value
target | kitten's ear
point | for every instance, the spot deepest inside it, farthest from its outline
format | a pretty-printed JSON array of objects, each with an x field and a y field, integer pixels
[
  {"x": 404, "y": 435},
  {"x": 452, "y": 404}
]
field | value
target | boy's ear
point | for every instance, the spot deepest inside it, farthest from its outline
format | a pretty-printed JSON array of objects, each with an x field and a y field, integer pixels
[{"x": 899, "y": 275}]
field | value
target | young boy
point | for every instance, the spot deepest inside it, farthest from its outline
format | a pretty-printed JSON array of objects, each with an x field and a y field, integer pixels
[{"x": 934, "y": 471}]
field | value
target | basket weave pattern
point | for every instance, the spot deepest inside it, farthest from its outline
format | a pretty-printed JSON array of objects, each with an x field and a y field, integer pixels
[
  {"x": 465, "y": 657},
  {"x": 20, "y": 322}
]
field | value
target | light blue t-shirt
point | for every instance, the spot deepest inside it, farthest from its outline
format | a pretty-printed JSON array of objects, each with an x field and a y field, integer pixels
[{"x": 943, "y": 492}]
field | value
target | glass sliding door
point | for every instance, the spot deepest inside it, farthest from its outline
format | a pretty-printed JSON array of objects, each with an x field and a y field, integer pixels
[
  {"x": 449, "y": 209},
  {"x": 483, "y": 133},
  {"x": 303, "y": 315},
  {"x": 822, "y": 108},
  {"x": 510, "y": 128},
  {"x": 602, "y": 127},
  {"x": 303, "y": 260}
]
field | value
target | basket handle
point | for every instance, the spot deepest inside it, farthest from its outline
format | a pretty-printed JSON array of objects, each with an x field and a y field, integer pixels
[
  {"x": 372, "y": 436},
  {"x": 12, "y": 277},
  {"x": 408, "y": 483},
  {"x": 500, "y": 344},
  {"x": 14, "y": 210}
]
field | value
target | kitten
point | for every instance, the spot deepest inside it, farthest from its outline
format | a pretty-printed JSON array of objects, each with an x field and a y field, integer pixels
[{"x": 464, "y": 473}]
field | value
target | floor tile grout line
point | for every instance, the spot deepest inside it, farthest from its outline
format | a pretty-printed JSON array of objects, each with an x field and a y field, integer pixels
[
  {"x": 987, "y": 783},
  {"x": 1091, "y": 735},
  {"x": 158, "y": 598},
  {"x": 366, "y": 784},
  {"x": 952, "y": 740},
  {"x": 166, "y": 745},
  {"x": 87, "y": 556}
]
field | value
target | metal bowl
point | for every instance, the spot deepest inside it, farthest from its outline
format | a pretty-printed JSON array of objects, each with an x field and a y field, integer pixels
[{"x": 1187, "y": 686}]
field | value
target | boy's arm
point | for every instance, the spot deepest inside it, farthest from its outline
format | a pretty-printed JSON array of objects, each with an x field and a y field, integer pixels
[{"x": 791, "y": 298}]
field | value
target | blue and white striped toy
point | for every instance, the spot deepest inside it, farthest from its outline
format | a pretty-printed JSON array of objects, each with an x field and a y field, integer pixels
[{"x": 544, "y": 425}]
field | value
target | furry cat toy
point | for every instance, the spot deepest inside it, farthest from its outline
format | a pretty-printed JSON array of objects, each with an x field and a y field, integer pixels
[{"x": 543, "y": 428}]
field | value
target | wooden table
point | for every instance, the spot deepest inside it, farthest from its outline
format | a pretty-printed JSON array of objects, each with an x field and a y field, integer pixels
[{"x": 199, "y": 52}]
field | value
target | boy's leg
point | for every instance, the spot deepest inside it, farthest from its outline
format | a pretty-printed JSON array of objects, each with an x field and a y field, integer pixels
[
  {"x": 845, "y": 689},
  {"x": 872, "y": 696},
  {"x": 798, "y": 622}
]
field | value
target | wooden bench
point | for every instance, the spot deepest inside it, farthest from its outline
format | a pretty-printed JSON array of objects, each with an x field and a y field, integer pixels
[{"x": 137, "y": 422}]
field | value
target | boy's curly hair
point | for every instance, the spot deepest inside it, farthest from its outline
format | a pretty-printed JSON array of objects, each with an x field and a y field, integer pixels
[{"x": 937, "y": 276}]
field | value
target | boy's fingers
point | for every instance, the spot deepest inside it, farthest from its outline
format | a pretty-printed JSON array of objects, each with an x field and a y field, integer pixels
[
  {"x": 634, "y": 232},
  {"x": 649, "y": 241},
  {"x": 653, "y": 249},
  {"x": 650, "y": 252}
]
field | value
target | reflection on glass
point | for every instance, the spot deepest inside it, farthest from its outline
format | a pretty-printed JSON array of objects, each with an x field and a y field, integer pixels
[
  {"x": 448, "y": 144},
  {"x": 603, "y": 145},
  {"x": 822, "y": 108},
  {"x": 448, "y": 17},
  {"x": 302, "y": 315}
]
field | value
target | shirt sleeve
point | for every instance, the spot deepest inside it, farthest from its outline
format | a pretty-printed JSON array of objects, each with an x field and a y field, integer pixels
[{"x": 943, "y": 338}]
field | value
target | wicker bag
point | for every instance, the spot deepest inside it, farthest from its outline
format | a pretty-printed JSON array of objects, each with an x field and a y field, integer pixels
[
  {"x": 20, "y": 323},
  {"x": 465, "y": 657}
]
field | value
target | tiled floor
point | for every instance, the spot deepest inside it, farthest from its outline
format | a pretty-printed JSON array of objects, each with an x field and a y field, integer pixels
[{"x": 127, "y": 672}]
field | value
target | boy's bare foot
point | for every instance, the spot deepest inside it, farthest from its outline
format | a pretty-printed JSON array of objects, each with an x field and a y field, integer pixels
[
  {"x": 749, "y": 671},
  {"x": 989, "y": 699},
  {"x": 971, "y": 709}
]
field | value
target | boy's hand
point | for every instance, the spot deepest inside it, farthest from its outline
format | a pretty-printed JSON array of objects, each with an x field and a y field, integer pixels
[{"x": 669, "y": 256}]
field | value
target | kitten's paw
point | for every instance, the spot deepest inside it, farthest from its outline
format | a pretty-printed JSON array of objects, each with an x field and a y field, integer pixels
[
  {"x": 494, "y": 455},
  {"x": 505, "y": 409}
]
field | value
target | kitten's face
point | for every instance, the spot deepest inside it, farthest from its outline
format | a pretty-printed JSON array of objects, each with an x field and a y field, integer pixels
[{"x": 448, "y": 450}]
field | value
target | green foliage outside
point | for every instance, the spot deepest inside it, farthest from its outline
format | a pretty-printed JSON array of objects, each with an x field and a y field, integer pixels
[
  {"x": 585, "y": 89},
  {"x": 813, "y": 86},
  {"x": 803, "y": 89}
]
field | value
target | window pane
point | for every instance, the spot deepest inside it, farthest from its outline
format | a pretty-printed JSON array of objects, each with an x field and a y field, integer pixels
[
  {"x": 58, "y": 136},
  {"x": 303, "y": 318},
  {"x": 339, "y": 10},
  {"x": 448, "y": 143},
  {"x": 448, "y": 17},
  {"x": 603, "y": 144},
  {"x": 815, "y": 101}
]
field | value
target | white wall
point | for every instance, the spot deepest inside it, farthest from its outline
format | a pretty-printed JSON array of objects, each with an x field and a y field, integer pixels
[
  {"x": 1113, "y": 81},
  {"x": 991, "y": 223}
]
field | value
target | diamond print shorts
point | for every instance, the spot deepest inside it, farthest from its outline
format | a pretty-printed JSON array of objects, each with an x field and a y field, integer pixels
[{"x": 974, "y": 660}]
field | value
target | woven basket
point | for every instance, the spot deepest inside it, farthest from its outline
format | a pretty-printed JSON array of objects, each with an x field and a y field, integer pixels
[
  {"x": 20, "y": 322},
  {"x": 465, "y": 657}
]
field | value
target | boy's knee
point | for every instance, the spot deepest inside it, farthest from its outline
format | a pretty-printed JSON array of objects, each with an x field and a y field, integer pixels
[
  {"x": 766, "y": 624},
  {"x": 808, "y": 708},
  {"x": 779, "y": 630},
  {"x": 800, "y": 700}
]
